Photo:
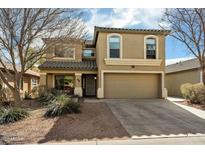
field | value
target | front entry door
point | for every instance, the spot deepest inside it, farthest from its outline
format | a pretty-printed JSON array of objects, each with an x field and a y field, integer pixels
[{"x": 90, "y": 85}]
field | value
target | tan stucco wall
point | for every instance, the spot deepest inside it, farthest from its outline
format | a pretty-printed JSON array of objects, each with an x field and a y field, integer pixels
[
  {"x": 27, "y": 86},
  {"x": 50, "y": 81},
  {"x": 51, "y": 47},
  {"x": 132, "y": 85},
  {"x": 175, "y": 80},
  {"x": 132, "y": 48},
  {"x": 42, "y": 81}
]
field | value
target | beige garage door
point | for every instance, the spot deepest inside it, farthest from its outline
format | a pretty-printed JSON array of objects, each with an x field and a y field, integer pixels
[{"x": 132, "y": 85}]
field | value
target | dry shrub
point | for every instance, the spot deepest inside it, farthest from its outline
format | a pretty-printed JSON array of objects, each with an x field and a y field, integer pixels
[{"x": 194, "y": 93}]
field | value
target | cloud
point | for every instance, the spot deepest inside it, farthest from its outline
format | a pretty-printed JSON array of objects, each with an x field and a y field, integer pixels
[{"x": 124, "y": 18}]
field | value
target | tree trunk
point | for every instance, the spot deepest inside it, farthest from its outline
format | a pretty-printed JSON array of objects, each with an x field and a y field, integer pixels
[
  {"x": 17, "y": 97},
  {"x": 203, "y": 74}
]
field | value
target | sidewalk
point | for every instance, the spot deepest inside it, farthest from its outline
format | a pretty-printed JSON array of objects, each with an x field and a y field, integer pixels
[
  {"x": 157, "y": 141},
  {"x": 175, "y": 99},
  {"x": 197, "y": 112}
]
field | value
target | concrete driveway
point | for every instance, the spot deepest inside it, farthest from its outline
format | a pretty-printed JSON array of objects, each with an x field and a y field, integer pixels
[{"x": 155, "y": 117}]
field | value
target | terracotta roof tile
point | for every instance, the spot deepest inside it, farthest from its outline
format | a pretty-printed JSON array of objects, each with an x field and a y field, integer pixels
[{"x": 70, "y": 65}]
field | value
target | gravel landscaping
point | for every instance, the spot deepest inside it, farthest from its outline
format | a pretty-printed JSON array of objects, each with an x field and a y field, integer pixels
[{"x": 96, "y": 122}]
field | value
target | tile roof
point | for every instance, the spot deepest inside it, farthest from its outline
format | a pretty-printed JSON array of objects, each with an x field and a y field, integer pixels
[
  {"x": 128, "y": 30},
  {"x": 183, "y": 66},
  {"x": 131, "y": 29},
  {"x": 70, "y": 65}
]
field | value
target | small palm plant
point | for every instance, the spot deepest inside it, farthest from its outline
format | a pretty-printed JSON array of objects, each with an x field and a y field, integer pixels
[
  {"x": 12, "y": 114},
  {"x": 62, "y": 105},
  {"x": 47, "y": 99}
]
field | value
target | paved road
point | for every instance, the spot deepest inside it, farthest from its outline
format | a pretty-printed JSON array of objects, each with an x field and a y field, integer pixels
[{"x": 155, "y": 117}]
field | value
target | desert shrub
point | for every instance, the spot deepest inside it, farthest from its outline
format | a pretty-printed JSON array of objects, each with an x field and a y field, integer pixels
[
  {"x": 199, "y": 92},
  {"x": 27, "y": 95},
  {"x": 195, "y": 93},
  {"x": 54, "y": 91},
  {"x": 42, "y": 91},
  {"x": 46, "y": 99},
  {"x": 186, "y": 90},
  {"x": 12, "y": 114},
  {"x": 62, "y": 105}
]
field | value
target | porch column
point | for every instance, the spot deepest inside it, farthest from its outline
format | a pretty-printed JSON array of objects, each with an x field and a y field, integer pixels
[
  {"x": 42, "y": 81},
  {"x": 78, "y": 85},
  {"x": 50, "y": 81}
]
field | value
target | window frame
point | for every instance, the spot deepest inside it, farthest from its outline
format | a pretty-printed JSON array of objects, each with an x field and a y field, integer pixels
[
  {"x": 108, "y": 45},
  {"x": 34, "y": 83},
  {"x": 64, "y": 77},
  {"x": 145, "y": 46},
  {"x": 91, "y": 50},
  {"x": 54, "y": 53}
]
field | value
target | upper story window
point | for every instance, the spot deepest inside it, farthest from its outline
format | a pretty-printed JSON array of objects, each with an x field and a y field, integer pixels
[
  {"x": 151, "y": 47},
  {"x": 114, "y": 46},
  {"x": 65, "y": 53},
  {"x": 88, "y": 53}
]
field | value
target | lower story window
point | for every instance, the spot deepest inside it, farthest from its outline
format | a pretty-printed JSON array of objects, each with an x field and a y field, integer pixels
[
  {"x": 34, "y": 82},
  {"x": 65, "y": 83}
]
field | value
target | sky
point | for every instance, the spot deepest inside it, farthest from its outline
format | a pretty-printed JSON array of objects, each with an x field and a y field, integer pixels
[{"x": 136, "y": 18}]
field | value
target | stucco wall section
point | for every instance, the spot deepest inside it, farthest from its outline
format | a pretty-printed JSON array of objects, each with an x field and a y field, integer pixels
[
  {"x": 42, "y": 81},
  {"x": 132, "y": 48},
  {"x": 175, "y": 80},
  {"x": 51, "y": 47}
]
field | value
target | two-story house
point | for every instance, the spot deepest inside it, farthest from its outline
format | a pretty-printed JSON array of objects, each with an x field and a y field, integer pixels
[{"x": 117, "y": 63}]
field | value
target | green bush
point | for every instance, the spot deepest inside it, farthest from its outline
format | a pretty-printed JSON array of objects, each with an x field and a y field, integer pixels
[
  {"x": 47, "y": 99},
  {"x": 62, "y": 105},
  {"x": 27, "y": 95},
  {"x": 194, "y": 93},
  {"x": 12, "y": 114}
]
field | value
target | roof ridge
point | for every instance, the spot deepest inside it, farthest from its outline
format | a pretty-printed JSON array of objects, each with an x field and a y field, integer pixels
[
  {"x": 192, "y": 59},
  {"x": 139, "y": 29}
]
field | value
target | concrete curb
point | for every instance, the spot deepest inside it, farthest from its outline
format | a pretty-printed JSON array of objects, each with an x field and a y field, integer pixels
[{"x": 167, "y": 136}]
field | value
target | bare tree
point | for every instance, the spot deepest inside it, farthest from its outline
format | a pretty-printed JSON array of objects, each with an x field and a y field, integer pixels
[
  {"x": 23, "y": 29},
  {"x": 188, "y": 26}
]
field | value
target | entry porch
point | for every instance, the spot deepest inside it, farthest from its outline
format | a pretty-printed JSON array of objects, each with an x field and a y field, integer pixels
[{"x": 82, "y": 84}]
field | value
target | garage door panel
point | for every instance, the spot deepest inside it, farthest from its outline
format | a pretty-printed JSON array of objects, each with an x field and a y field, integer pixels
[{"x": 132, "y": 85}]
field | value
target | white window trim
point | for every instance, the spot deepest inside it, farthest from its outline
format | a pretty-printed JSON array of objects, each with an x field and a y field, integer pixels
[
  {"x": 145, "y": 49},
  {"x": 64, "y": 58},
  {"x": 108, "y": 45},
  {"x": 136, "y": 62}
]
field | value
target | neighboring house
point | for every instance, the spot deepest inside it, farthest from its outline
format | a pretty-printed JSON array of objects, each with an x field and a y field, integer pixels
[
  {"x": 117, "y": 63},
  {"x": 180, "y": 73},
  {"x": 30, "y": 79}
]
